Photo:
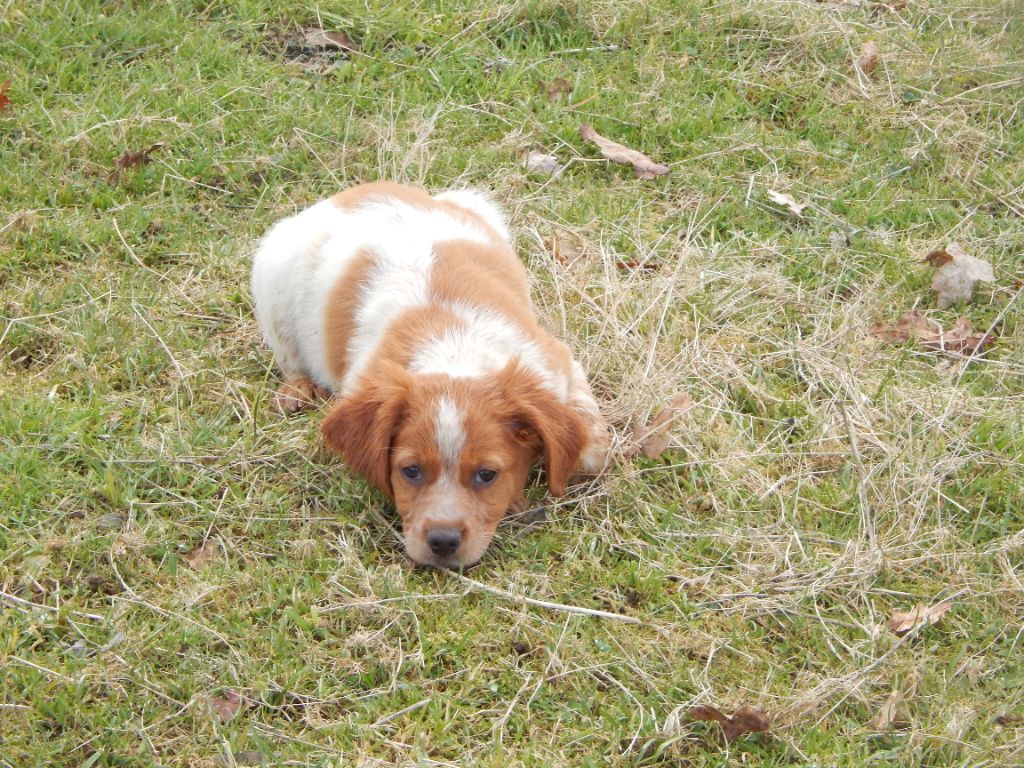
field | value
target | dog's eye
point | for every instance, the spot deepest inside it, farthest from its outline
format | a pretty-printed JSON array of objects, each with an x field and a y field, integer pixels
[
  {"x": 412, "y": 472},
  {"x": 485, "y": 476}
]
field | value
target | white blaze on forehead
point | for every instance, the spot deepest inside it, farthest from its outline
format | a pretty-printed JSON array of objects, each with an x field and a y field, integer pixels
[{"x": 450, "y": 430}]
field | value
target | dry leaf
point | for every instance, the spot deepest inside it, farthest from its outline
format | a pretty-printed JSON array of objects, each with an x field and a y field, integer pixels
[
  {"x": 224, "y": 706},
  {"x": 563, "y": 249},
  {"x": 202, "y": 555},
  {"x": 652, "y": 440},
  {"x": 890, "y": 7},
  {"x": 643, "y": 166},
  {"x": 632, "y": 266},
  {"x": 134, "y": 158},
  {"x": 315, "y": 37},
  {"x": 959, "y": 339},
  {"x": 787, "y": 200},
  {"x": 557, "y": 89},
  {"x": 868, "y": 59},
  {"x": 540, "y": 162},
  {"x": 4, "y": 101},
  {"x": 746, "y": 719},
  {"x": 903, "y": 622},
  {"x": 893, "y": 714},
  {"x": 913, "y": 325},
  {"x": 956, "y": 273}
]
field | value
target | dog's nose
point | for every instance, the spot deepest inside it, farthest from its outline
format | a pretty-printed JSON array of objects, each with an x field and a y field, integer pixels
[{"x": 444, "y": 541}]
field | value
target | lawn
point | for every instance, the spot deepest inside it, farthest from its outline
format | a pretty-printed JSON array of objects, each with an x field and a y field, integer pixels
[{"x": 189, "y": 579}]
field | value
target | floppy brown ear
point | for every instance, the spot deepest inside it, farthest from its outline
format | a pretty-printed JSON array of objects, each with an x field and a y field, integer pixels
[
  {"x": 362, "y": 425},
  {"x": 539, "y": 416}
]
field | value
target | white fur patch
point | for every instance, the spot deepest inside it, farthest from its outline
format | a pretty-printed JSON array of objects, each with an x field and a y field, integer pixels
[
  {"x": 484, "y": 343},
  {"x": 299, "y": 262},
  {"x": 450, "y": 430}
]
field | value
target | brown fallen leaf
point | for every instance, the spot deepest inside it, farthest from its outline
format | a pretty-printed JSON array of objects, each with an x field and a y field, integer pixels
[
  {"x": 564, "y": 249},
  {"x": 632, "y": 266},
  {"x": 202, "y": 555},
  {"x": 890, "y": 7},
  {"x": 746, "y": 719},
  {"x": 956, "y": 273},
  {"x": 787, "y": 200},
  {"x": 315, "y": 37},
  {"x": 921, "y": 615},
  {"x": 893, "y": 714},
  {"x": 868, "y": 59},
  {"x": 224, "y": 706},
  {"x": 557, "y": 89},
  {"x": 652, "y": 439},
  {"x": 643, "y": 166},
  {"x": 958, "y": 340},
  {"x": 133, "y": 158},
  {"x": 1009, "y": 720},
  {"x": 4, "y": 100}
]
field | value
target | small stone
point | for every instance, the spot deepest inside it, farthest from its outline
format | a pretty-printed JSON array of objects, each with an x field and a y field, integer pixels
[
  {"x": 540, "y": 162},
  {"x": 112, "y": 521}
]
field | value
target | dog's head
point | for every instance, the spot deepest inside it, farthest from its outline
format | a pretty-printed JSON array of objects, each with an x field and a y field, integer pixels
[{"x": 454, "y": 454}]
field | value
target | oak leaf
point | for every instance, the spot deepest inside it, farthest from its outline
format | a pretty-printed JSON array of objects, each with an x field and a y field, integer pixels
[
  {"x": 4, "y": 100},
  {"x": 956, "y": 273},
  {"x": 920, "y": 615},
  {"x": 746, "y": 719},
  {"x": 643, "y": 166}
]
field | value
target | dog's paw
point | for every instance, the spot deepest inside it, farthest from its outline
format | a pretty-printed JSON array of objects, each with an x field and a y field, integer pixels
[{"x": 296, "y": 395}]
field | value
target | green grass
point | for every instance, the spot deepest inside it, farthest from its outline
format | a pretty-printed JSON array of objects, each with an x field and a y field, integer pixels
[{"x": 820, "y": 481}]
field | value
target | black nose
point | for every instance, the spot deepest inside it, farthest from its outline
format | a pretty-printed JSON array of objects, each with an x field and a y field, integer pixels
[{"x": 444, "y": 541}]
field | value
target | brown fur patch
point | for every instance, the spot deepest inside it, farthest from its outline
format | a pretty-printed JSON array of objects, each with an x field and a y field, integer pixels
[
  {"x": 355, "y": 197},
  {"x": 340, "y": 312},
  {"x": 361, "y": 427}
]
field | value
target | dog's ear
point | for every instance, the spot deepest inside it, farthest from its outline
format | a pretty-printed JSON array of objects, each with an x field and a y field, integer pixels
[
  {"x": 362, "y": 425},
  {"x": 539, "y": 419}
]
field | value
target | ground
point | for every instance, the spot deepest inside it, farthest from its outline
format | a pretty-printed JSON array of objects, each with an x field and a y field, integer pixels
[{"x": 190, "y": 580}]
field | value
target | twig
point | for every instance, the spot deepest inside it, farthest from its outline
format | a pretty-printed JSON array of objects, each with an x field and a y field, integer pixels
[
  {"x": 394, "y": 715},
  {"x": 545, "y": 604},
  {"x": 591, "y": 49},
  {"x": 30, "y": 604},
  {"x": 128, "y": 249},
  {"x": 58, "y": 675}
]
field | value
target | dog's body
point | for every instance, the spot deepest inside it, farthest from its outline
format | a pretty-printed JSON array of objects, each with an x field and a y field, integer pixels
[{"x": 414, "y": 312}]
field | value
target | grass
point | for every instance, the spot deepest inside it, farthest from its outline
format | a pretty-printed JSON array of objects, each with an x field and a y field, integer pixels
[{"x": 821, "y": 480}]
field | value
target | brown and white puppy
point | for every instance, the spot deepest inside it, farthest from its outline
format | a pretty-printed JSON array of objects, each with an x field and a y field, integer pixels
[{"x": 415, "y": 313}]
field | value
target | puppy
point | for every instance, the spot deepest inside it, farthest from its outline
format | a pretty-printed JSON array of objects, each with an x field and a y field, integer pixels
[{"x": 414, "y": 313}]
